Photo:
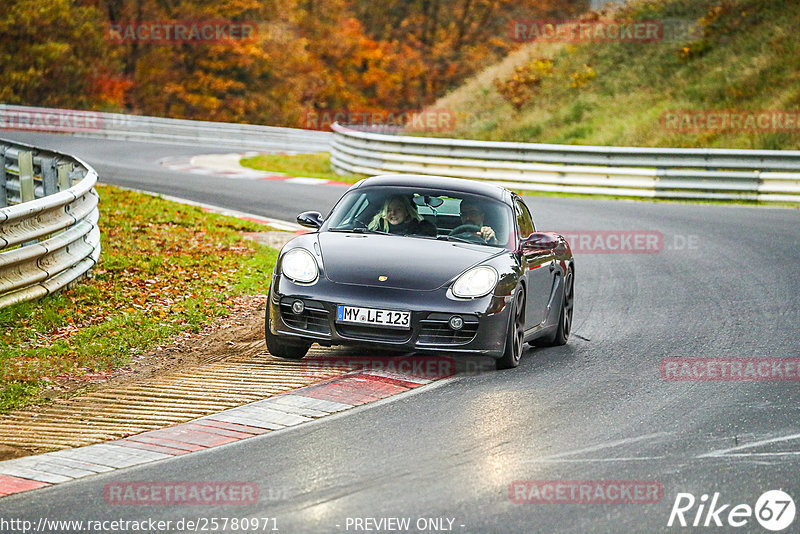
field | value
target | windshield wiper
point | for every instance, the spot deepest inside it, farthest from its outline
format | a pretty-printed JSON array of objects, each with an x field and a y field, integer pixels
[
  {"x": 357, "y": 230},
  {"x": 459, "y": 239}
]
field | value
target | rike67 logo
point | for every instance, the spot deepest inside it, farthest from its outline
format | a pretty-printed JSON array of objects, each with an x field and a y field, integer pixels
[{"x": 774, "y": 510}]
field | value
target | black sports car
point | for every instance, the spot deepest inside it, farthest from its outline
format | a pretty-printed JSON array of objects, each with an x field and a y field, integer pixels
[{"x": 422, "y": 264}]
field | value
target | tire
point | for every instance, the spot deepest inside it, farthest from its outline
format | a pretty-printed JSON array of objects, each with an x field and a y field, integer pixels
[
  {"x": 515, "y": 336},
  {"x": 565, "y": 317},
  {"x": 277, "y": 346}
]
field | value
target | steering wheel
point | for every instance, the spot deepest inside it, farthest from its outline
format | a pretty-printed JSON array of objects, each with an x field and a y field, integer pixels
[{"x": 471, "y": 229}]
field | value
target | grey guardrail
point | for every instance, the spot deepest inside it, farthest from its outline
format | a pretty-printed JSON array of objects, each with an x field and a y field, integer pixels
[
  {"x": 710, "y": 174},
  {"x": 48, "y": 221},
  {"x": 175, "y": 131}
]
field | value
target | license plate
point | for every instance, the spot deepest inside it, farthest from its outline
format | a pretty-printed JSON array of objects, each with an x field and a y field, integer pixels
[{"x": 371, "y": 316}]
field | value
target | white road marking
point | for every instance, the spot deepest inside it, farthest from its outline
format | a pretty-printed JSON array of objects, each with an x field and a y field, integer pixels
[
  {"x": 754, "y": 454},
  {"x": 304, "y": 180},
  {"x": 229, "y": 166},
  {"x": 724, "y": 452},
  {"x": 599, "y": 447},
  {"x": 225, "y": 165},
  {"x": 591, "y": 460}
]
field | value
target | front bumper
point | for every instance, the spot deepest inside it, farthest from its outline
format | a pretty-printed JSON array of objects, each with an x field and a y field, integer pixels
[{"x": 484, "y": 331}]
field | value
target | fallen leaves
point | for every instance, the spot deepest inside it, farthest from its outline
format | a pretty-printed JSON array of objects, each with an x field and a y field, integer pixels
[{"x": 165, "y": 269}]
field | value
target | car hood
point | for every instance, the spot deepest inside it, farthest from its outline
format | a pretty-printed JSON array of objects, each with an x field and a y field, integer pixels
[{"x": 406, "y": 262}]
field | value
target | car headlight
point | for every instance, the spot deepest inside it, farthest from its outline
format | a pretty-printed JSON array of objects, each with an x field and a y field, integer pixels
[
  {"x": 476, "y": 282},
  {"x": 299, "y": 265}
]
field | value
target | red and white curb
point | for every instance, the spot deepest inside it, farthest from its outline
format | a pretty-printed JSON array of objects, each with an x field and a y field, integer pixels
[
  {"x": 228, "y": 166},
  {"x": 274, "y": 413},
  {"x": 305, "y": 181}
]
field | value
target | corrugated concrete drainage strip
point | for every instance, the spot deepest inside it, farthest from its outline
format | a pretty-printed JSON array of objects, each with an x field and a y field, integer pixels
[
  {"x": 171, "y": 398},
  {"x": 186, "y": 411}
]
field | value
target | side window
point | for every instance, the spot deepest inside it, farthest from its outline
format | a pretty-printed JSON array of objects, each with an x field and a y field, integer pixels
[{"x": 524, "y": 219}]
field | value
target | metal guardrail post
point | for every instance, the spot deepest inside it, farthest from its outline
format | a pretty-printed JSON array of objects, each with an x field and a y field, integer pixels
[
  {"x": 64, "y": 170},
  {"x": 25, "y": 176},
  {"x": 3, "y": 179},
  {"x": 49, "y": 178}
]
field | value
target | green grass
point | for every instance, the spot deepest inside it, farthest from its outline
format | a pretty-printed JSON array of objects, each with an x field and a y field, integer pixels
[
  {"x": 734, "y": 55},
  {"x": 742, "y": 55},
  {"x": 165, "y": 269},
  {"x": 307, "y": 165}
]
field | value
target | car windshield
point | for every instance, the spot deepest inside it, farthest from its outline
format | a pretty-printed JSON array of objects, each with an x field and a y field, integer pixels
[{"x": 432, "y": 214}]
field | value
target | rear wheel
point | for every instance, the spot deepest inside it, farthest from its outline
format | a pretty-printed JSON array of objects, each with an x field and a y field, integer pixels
[
  {"x": 515, "y": 337},
  {"x": 565, "y": 317},
  {"x": 281, "y": 347}
]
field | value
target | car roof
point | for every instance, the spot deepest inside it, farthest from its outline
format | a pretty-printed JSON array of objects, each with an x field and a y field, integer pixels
[{"x": 437, "y": 182}]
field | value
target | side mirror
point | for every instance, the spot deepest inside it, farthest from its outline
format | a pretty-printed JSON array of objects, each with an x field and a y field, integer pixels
[
  {"x": 539, "y": 242},
  {"x": 310, "y": 219}
]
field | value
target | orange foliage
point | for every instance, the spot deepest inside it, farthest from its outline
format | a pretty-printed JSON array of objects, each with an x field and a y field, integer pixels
[
  {"x": 109, "y": 90},
  {"x": 305, "y": 55}
]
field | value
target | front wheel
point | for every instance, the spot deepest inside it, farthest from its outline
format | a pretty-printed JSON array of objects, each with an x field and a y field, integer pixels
[
  {"x": 515, "y": 336},
  {"x": 280, "y": 347}
]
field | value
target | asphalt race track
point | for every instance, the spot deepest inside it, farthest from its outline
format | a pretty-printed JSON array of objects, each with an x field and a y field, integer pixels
[
  {"x": 722, "y": 282},
  {"x": 136, "y": 165}
]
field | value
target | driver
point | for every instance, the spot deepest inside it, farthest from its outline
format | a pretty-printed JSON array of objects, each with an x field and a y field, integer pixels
[{"x": 473, "y": 213}]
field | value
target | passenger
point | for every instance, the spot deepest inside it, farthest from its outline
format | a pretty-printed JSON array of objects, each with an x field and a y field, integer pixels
[
  {"x": 399, "y": 216},
  {"x": 474, "y": 214}
]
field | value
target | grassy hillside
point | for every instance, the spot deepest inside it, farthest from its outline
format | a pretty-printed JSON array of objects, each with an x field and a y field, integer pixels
[{"x": 736, "y": 55}]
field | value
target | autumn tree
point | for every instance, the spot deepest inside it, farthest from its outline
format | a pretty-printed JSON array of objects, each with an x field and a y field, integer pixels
[
  {"x": 52, "y": 53},
  {"x": 455, "y": 38},
  {"x": 305, "y": 55}
]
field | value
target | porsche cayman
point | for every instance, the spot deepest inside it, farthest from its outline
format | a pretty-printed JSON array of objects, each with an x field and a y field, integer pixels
[{"x": 447, "y": 280}]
